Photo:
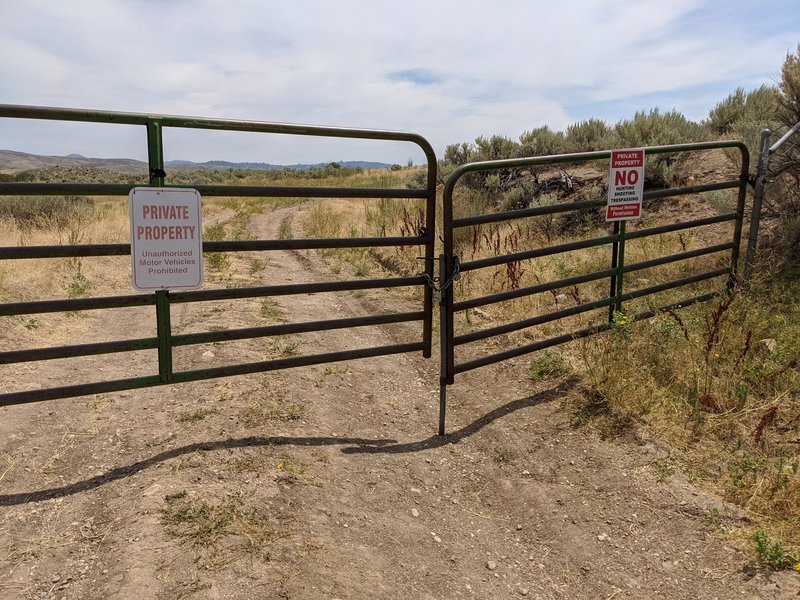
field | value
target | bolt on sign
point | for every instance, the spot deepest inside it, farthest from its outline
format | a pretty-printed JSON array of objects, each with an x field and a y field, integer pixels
[
  {"x": 625, "y": 185},
  {"x": 166, "y": 238}
]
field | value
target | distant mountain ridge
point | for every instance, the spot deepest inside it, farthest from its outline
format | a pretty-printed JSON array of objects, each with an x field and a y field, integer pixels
[{"x": 12, "y": 161}]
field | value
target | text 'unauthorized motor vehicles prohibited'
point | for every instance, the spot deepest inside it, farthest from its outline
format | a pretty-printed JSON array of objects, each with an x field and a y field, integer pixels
[
  {"x": 625, "y": 185},
  {"x": 166, "y": 238}
]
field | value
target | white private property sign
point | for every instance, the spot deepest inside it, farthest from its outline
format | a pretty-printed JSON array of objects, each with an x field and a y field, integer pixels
[
  {"x": 625, "y": 185},
  {"x": 166, "y": 238}
]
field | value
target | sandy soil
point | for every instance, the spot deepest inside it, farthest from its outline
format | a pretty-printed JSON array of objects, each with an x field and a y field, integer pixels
[{"x": 330, "y": 481}]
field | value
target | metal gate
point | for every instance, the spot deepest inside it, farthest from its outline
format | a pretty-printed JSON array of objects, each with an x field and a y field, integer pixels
[
  {"x": 444, "y": 289},
  {"x": 163, "y": 339},
  {"x": 619, "y": 292}
]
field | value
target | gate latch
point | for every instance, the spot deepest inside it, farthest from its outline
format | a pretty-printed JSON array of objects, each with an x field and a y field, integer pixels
[{"x": 436, "y": 284}]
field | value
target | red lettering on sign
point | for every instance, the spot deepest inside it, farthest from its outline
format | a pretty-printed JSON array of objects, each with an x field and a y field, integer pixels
[
  {"x": 627, "y": 159},
  {"x": 626, "y": 178}
]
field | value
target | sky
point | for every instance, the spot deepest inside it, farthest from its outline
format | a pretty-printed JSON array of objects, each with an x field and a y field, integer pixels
[{"x": 447, "y": 70}]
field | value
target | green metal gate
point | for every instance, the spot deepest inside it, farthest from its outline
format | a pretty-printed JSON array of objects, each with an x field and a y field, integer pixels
[
  {"x": 443, "y": 288},
  {"x": 451, "y": 267},
  {"x": 163, "y": 339}
]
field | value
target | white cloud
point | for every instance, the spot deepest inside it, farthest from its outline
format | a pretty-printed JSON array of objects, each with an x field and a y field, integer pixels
[{"x": 480, "y": 68}]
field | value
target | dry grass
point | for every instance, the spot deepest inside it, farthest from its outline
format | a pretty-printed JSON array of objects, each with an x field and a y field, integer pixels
[
  {"x": 225, "y": 530},
  {"x": 106, "y": 222},
  {"x": 719, "y": 384}
]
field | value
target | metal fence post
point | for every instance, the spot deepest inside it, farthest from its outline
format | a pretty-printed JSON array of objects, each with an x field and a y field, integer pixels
[
  {"x": 758, "y": 197},
  {"x": 155, "y": 159},
  {"x": 617, "y": 306},
  {"x": 443, "y": 343},
  {"x": 614, "y": 259},
  {"x": 155, "y": 152},
  {"x": 164, "y": 332}
]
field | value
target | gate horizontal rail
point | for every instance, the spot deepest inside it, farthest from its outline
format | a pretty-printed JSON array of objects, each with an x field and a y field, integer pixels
[
  {"x": 582, "y": 308},
  {"x": 575, "y": 335},
  {"x": 118, "y": 385},
  {"x": 578, "y": 279},
  {"x": 165, "y": 340},
  {"x": 85, "y": 250},
  {"x": 239, "y": 191},
  {"x": 572, "y": 206},
  {"x": 49, "y": 306},
  {"x": 451, "y": 265},
  {"x": 208, "y": 337}
]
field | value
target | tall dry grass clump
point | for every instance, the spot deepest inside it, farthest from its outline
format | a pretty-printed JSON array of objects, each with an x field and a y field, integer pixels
[
  {"x": 58, "y": 220},
  {"x": 718, "y": 383}
]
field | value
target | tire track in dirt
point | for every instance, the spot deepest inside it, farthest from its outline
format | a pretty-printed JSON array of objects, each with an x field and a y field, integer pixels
[{"x": 329, "y": 481}]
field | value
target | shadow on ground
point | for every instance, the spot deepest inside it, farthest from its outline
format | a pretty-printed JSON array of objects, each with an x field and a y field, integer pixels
[{"x": 352, "y": 446}]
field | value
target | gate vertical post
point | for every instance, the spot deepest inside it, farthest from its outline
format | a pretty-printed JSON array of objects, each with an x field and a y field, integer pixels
[
  {"x": 613, "y": 287},
  {"x": 164, "y": 332},
  {"x": 155, "y": 159},
  {"x": 444, "y": 345},
  {"x": 617, "y": 306},
  {"x": 758, "y": 197},
  {"x": 430, "y": 248},
  {"x": 446, "y": 268}
]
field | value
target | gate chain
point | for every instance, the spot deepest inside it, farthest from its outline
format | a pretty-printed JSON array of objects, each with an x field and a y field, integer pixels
[{"x": 438, "y": 290}]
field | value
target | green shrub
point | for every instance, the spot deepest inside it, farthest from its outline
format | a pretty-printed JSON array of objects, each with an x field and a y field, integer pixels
[
  {"x": 548, "y": 364},
  {"x": 783, "y": 196},
  {"x": 658, "y": 129},
  {"x": 46, "y": 211},
  {"x": 725, "y": 114},
  {"x": 458, "y": 154},
  {"x": 322, "y": 221},
  {"x": 218, "y": 261},
  {"x": 542, "y": 141},
  {"x": 496, "y": 147},
  {"x": 772, "y": 553},
  {"x": 589, "y": 135},
  {"x": 519, "y": 196},
  {"x": 79, "y": 286},
  {"x": 742, "y": 116}
]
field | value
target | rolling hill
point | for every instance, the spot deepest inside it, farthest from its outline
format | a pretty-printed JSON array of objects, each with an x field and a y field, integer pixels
[{"x": 13, "y": 161}]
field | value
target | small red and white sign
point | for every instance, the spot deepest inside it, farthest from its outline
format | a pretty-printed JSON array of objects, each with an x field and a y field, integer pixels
[
  {"x": 625, "y": 185},
  {"x": 166, "y": 238}
]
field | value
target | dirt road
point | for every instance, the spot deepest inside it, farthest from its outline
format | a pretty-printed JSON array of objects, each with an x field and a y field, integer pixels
[{"x": 329, "y": 482}]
